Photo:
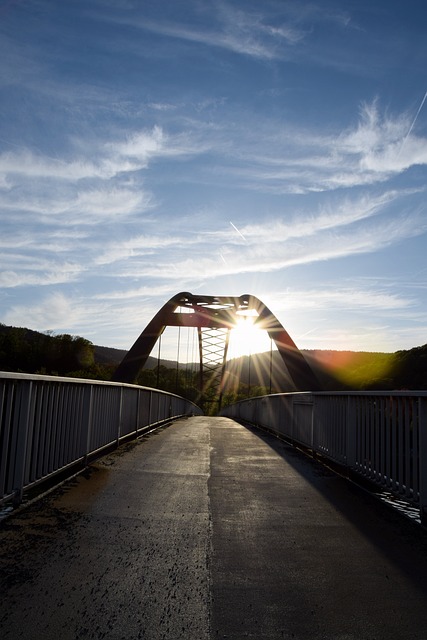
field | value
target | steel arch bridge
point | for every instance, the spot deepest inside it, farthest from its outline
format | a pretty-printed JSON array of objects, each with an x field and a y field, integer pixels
[{"x": 214, "y": 317}]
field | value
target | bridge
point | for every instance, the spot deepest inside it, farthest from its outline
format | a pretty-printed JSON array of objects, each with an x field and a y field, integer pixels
[
  {"x": 270, "y": 520},
  {"x": 214, "y": 317}
]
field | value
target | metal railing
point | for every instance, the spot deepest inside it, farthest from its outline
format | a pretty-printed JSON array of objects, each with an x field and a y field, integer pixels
[
  {"x": 381, "y": 436},
  {"x": 48, "y": 424}
]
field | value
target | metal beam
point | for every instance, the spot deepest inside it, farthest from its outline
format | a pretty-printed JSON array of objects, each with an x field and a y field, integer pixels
[{"x": 216, "y": 312}]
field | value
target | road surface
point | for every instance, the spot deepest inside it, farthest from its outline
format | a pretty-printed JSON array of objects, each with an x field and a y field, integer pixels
[{"x": 206, "y": 530}]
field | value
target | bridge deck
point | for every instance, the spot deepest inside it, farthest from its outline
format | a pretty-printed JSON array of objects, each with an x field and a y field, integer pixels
[{"x": 204, "y": 530}]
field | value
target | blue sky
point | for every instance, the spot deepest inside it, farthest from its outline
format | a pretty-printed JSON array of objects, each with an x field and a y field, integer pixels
[{"x": 276, "y": 148}]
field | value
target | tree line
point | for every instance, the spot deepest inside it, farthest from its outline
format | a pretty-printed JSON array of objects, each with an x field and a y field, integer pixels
[{"x": 26, "y": 351}]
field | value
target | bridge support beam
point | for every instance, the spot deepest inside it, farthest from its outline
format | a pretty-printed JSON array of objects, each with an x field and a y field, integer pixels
[{"x": 216, "y": 312}]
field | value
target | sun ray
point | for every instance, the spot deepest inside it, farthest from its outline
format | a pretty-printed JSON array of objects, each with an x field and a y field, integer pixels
[{"x": 247, "y": 339}]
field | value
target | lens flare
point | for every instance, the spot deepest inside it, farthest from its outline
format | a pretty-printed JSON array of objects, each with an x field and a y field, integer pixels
[{"x": 247, "y": 339}]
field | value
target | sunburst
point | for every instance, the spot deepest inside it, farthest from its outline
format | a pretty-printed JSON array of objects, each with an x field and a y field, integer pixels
[{"x": 247, "y": 339}]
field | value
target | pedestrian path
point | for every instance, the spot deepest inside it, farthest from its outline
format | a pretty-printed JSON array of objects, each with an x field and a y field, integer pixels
[{"x": 207, "y": 529}]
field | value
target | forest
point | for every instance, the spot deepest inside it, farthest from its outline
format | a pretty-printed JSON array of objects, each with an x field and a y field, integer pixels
[{"x": 27, "y": 351}]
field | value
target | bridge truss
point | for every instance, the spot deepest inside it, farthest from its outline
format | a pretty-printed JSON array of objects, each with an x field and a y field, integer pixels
[{"x": 214, "y": 317}]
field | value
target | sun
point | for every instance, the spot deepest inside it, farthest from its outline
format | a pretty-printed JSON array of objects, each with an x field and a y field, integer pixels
[{"x": 247, "y": 339}]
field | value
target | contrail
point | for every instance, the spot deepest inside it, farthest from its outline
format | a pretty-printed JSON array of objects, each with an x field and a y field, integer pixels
[
  {"x": 307, "y": 333},
  {"x": 414, "y": 121},
  {"x": 236, "y": 229}
]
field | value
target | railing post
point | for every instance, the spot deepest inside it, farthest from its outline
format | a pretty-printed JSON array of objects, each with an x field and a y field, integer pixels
[
  {"x": 351, "y": 433},
  {"x": 87, "y": 412},
  {"x": 292, "y": 430},
  {"x": 25, "y": 390},
  {"x": 138, "y": 405},
  {"x": 119, "y": 428},
  {"x": 423, "y": 458},
  {"x": 150, "y": 407},
  {"x": 313, "y": 424}
]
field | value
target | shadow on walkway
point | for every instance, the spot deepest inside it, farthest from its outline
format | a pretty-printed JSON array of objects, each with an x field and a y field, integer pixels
[{"x": 400, "y": 538}]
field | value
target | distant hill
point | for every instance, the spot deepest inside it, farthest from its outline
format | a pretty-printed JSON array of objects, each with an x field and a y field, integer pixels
[
  {"x": 29, "y": 351},
  {"x": 336, "y": 370},
  {"x": 109, "y": 355},
  {"x": 26, "y": 350},
  {"x": 112, "y": 356},
  {"x": 405, "y": 370}
]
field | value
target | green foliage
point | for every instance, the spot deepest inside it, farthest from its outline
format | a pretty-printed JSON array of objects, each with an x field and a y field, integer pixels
[
  {"x": 175, "y": 380},
  {"x": 365, "y": 370},
  {"x": 410, "y": 368},
  {"x": 243, "y": 392},
  {"x": 371, "y": 371},
  {"x": 23, "y": 350},
  {"x": 32, "y": 352}
]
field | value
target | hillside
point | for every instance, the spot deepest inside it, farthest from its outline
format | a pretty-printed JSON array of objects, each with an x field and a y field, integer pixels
[
  {"x": 29, "y": 351},
  {"x": 343, "y": 370},
  {"x": 372, "y": 371}
]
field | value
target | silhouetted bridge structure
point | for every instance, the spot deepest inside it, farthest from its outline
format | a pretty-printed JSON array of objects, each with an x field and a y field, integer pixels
[{"x": 211, "y": 528}]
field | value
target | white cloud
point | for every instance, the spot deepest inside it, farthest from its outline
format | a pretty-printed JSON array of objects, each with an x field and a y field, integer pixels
[
  {"x": 165, "y": 291},
  {"x": 331, "y": 216},
  {"x": 375, "y": 337},
  {"x": 373, "y": 131},
  {"x": 382, "y": 143},
  {"x": 272, "y": 246},
  {"x": 27, "y": 164},
  {"x": 242, "y": 32},
  {"x": 108, "y": 322},
  {"x": 54, "y": 312},
  {"x": 329, "y": 298},
  {"x": 287, "y": 159},
  {"x": 5, "y": 184},
  {"x": 141, "y": 145},
  {"x": 396, "y": 157},
  {"x": 29, "y": 272},
  {"x": 142, "y": 245},
  {"x": 103, "y": 162},
  {"x": 357, "y": 316},
  {"x": 80, "y": 207},
  {"x": 108, "y": 203},
  {"x": 254, "y": 158}
]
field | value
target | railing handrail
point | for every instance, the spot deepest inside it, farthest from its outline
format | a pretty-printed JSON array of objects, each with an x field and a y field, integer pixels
[
  {"x": 50, "y": 423},
  {"x": 410, "y": 393},
  {"x": 47, "y": 378},
  {"x": 380, "y": 435}
]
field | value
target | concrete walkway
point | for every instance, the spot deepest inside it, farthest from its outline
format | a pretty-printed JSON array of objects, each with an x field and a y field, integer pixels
[{"x": 208, "y": 530}]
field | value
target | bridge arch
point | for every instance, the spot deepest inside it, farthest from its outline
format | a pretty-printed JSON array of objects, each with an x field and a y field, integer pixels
[{"x": 212, "y": 313}]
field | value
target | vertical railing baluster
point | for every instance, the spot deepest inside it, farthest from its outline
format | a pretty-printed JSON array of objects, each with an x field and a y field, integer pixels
[
  {"x": 401, "y": 442},
  {"x": 87, "y": 424},
  {"x": 422, "y": 457},
  {"x": 351, "y": 433},
  {"x": 415, "y": 480},
  {"x": 120, "y": 417},
  {"x": 20, "y": 452},
  {"x": 407, "y": 448},
  {"x": 387, "y": 429},
  {"x": 394, "y": 442}
]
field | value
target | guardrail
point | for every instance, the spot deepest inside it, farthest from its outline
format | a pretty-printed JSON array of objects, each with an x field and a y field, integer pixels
[
  {"x": 48, "y": 424},
  {"x": 381, "y": 436}
]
